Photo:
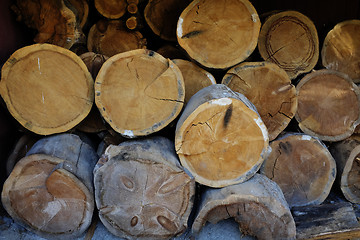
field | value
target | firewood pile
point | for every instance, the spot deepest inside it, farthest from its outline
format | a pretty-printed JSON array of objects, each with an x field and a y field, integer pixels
[{"x": 156, "y": 118}]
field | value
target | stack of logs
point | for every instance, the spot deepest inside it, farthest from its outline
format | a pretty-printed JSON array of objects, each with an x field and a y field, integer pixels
[{"x": 113, "y": 125}]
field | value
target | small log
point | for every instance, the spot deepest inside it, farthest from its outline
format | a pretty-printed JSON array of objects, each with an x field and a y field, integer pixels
[
  {"x": 132, "y": 8},
  {"x": 219, "y": 34},
  {"x": 290, "y": 40},
  {"x": 46, "y": 88},
  {"x": 139, "y": 92},
  {"x": 50, "y": 191},
  {"x": 269, "y": 88},
  {"x": 141, "y": 190},
  {"x": 163, "y": 15},
  {"x": 54, "y": 21},
  {"x": 220, "y": 138},
  {"x": 111, "y": 9},
  {"x": 330, "y": 221},
  {"x": 328, "y": 105},
  {"x": 132, "y": 23},
  {"x": 111, "y": 37},
  {"x": 347, "y": 156},
  {"x": 341, "y": 49},
  {"x": 195, "y": 78},
  {"x": 82, "y": 11},
  {"x": 258, "y": 205},
  {"x": 303, "y": 168}
]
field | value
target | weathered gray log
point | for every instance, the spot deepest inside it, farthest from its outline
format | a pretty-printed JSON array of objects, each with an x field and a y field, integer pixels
[
  {"x": 50, "y": 191},
  {"x": 258, "y": 205},
  {"x": 141, "y": 190}
]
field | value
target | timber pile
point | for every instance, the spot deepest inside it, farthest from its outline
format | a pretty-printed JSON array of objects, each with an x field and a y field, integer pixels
[{"x": 222, "y": 130}]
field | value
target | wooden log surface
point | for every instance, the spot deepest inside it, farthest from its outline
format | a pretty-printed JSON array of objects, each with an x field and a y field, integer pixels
[
  {"x": 218, "y": 39},
  {"x": 112, "y": 37},
  {"x": 258, "y": 205},
  {"x": 269, "y": 88},
  {"x": 303, "y": 168},
  {"x": 139, "y": 92},
  {"x": 328, "y": 105},
  {"x": 81, "y": 11},
  {"x": 141, "y": 190},
  {"x": 220, "y": 138},
  {"x": 340, "y": 49},
  {"x": 290, "y": 40},
  {"x": 195, "y": 78},
  {"x": 46, "y": 88},
  {"x": 49, "y": 195},
  {"x": 111, "y": 9},
  {"x": 347, "y": 156}
]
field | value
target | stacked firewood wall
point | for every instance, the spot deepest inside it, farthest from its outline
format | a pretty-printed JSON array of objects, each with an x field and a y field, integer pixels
[{"x": 139, "y": 113}]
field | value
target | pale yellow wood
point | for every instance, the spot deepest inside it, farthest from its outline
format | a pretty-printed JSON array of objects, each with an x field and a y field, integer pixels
[
  {"x": 219, "y": 34},
  {"x": 139, "y": 92},
  {"x": 195, "y": 77},
  {"x": 290, "y": 40},
  {"x": 46, "y": 88},
  {"x": 341, "y": 49},
  {"x": 328, "y": 105},
  {"x": 112, "y": 9},
  {"x": 269, "y": 88}
]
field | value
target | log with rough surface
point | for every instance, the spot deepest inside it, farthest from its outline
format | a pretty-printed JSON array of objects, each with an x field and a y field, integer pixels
[
  {"x": 139, "y": 92},
  {"x": 54, "y": 21},
  {"x": 141, "y": 190},
  {"x": 328, "y": 105},
  {"x": 112, "y": 9},
  {"x": 303, "y": 168},
  {"x": 220, "y": 138},
  {"x": 111, "y": 37},
  {"x": 47, "y": 89},
  {"x": 258, "y": 205},
  {"x": 195, "y": 78},
  {"x": 347, "y": 156},
  {"x": 52, "y": 195},
  {"x": 341, "y": 49},
  {"x": 162, "y": 16},
  {"x": 290, "y": 40},
  {"x": 219, "y": 34},
  {"x": 81, "y": 10},
  {"x": 269, "y": 88}
]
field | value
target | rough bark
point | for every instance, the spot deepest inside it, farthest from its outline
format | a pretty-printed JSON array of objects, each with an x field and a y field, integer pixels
[
  {"x": 303, "y": 168},
  {"x": 220, "y": 138},
  {"x": 47, "y": 89},
  {"x": 141, "y": 190},
  {"x": 139, "y": 92},
  {"x": 269, "y": 88},
  {"x": 290, "y": 40}
]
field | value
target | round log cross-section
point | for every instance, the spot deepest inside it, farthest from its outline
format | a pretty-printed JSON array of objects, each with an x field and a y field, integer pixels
[
  {"x": 303, "y": 168},
  {"x": 269, "y": 88},
  {"x": 47, "y": 89},
  {"x": 220, "y": 138},
  {"x": 111, "y": 9},
  {"x": 290, "y": 40},
  {"x": 218, "y": 34},
  {"x": 328, "y": 105},
  {"x": 139, "y": 92},
  {"x": 341, "y": 49},
  {"x": 141, "y": 190}
]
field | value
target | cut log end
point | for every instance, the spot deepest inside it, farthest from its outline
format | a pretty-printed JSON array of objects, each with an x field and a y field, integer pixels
[{"x": 111, "y": 9}]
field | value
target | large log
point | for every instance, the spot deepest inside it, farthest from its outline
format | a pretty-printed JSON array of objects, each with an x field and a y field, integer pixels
[
  {"x": 139, "y": 92},
  {"x": 220, "y": 138},
  {"x": 290, "y": 40},
  {"x": 163, "y": 15},
  {"x": 341, "y": 49},
  {"x": 141, "y": 190},
  {"x": 258, "y": 205},
  {"x": 50, "y": 191},
  {"x": 269, "y": 88},
  {"x": 303, "y": 168},
  {"x": 195, "y": 78},
  {"x": 219, "y": 34},
  {"x": 347, "y": 156},
  {"x": 328, "y": 105},
  {"x": 112, "y": 37},
  {"x": 111, "y": 9},
  {"x": 46, "y": 88}
]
